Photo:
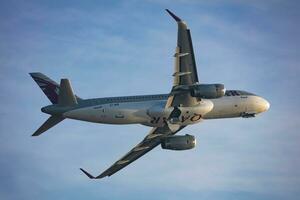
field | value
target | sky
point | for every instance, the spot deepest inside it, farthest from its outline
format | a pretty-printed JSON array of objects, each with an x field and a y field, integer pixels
[{"x": 117, "y": 48}]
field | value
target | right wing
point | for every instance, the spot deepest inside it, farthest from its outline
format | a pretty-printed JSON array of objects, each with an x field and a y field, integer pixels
[{"x": 150, "y": 141}]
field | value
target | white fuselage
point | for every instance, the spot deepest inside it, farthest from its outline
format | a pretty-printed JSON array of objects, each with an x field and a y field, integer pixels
[{"x": 153, "y": 113}]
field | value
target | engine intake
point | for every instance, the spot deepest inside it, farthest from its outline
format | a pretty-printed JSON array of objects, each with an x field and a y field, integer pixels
[
  {"x": 178, "y": 142},
  {"x": 208, "y": 91}
]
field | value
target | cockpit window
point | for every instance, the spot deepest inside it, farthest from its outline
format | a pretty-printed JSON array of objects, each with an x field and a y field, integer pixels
[
  {"x": 245, "y": 93},
  {"x": 237, "y": 93}
]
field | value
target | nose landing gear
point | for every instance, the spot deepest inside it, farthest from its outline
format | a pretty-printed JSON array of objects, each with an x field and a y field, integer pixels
[{"x": 247, "y": 115}]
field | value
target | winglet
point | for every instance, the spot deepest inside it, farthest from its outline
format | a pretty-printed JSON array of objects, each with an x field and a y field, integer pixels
[
  {"x": 91, "y": 176},
  {"x": 88, "y": 174},
  {"x": 174, "y": 16}
]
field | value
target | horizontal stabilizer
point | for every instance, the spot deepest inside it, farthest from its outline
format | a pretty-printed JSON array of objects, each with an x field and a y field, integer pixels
[
  {"x": 66, "y": 96},
  {"x": 51, "y": 121}
]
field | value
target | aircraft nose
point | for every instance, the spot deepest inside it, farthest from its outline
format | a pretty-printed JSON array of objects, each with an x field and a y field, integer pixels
[{"x": 265, "y": 105}]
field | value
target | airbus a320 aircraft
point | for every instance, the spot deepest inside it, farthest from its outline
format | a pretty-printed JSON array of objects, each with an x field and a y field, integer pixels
[{"x": 189, "y": 102}]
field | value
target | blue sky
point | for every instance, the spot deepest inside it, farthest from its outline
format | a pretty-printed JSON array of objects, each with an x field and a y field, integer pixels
[{"x": 114, "y": 48}]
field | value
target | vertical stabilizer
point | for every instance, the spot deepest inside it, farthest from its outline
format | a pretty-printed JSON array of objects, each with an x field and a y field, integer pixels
[{"x": 48, "y": 86}]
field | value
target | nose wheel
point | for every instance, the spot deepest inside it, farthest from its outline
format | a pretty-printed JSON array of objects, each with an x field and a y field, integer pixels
[{"x": 248, "y": 115}]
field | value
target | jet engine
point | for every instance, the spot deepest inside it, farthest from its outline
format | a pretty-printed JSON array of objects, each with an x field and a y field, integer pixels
[
  {"x": 208, "y": 91},
  {"x": 178, "y": 142}
]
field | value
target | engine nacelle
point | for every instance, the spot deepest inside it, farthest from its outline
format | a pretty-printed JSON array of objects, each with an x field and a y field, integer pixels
[
  {"x": 178, "y": 142},
  {"x": 208, "y": 91}
]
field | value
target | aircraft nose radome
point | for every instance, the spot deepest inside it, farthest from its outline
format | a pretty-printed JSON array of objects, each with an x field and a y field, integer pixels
[{"x": 265, "y": 105}]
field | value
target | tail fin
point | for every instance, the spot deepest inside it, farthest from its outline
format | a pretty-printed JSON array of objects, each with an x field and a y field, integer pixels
[
  {"x": 65, "y": 98},
  {"x": 58, "y": 94},
  {"x": 51, "y": 121},
  {"x": 49, "y": 87}
]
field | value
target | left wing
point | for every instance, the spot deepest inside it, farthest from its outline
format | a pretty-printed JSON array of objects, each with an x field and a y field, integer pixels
[
  {"x": 185, "y": 73},
  {"x": 150, "y": 141}
]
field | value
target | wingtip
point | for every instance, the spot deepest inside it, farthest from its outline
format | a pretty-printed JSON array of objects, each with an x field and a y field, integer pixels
[
  {"x": 36, "y": 133},
  {"x": 177, "y": 19},
  {"x": 87, "y": 174}
]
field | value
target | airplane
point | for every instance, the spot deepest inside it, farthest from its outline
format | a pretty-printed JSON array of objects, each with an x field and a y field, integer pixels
[{"x": 189, "y": 102}]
